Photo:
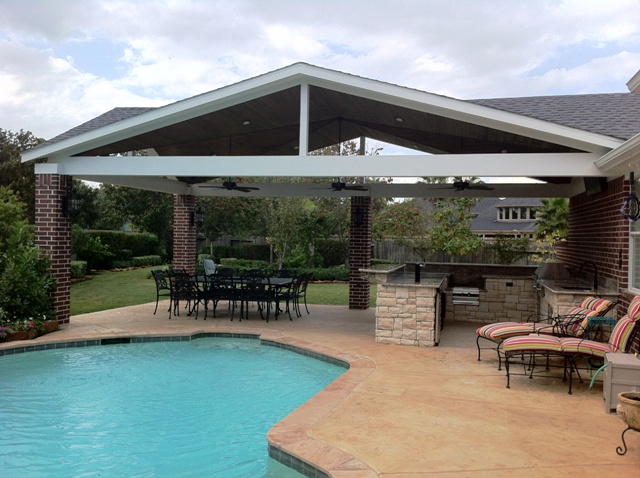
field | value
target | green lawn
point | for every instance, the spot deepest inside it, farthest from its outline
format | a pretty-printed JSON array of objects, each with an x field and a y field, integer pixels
[{"x": 109, "y": 290}]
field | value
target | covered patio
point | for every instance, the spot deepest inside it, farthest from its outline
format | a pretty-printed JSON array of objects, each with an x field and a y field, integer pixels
[
  {"x": 266, "y": 127},
  {"x": 402, "y": 412}
]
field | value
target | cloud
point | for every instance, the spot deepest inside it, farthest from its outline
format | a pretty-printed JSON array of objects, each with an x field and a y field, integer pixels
[{"x": 64, "y": 62}]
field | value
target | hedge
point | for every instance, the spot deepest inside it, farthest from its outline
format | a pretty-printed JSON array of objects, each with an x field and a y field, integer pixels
[
  {"x": 140, "y": 261},
  {"x": 123, "y": 243}
]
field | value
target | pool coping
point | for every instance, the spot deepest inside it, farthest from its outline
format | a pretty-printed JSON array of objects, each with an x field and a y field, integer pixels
[{"x": 289, "y": 441}]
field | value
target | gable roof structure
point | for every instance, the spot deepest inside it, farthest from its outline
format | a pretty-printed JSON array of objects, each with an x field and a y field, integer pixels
[{"x": 265, "y": 127}]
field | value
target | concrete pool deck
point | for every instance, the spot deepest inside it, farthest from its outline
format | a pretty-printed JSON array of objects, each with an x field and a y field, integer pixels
[{"x": 408, "y": 412}]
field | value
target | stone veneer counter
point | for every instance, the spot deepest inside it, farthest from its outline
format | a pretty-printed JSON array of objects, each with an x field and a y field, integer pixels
[{"x": 409, "y": 312}]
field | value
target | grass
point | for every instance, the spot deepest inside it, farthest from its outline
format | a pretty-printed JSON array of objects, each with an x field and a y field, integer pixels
[{"x": 110, "y": 290}]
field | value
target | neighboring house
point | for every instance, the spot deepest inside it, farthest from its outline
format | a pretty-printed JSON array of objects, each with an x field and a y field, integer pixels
[{"x": 505, "y": 216}]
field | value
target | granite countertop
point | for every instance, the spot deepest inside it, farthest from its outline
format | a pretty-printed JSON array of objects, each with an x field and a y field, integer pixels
[
  {"x": 576, "y": 287},
  {"x": 426, "y": 280}
]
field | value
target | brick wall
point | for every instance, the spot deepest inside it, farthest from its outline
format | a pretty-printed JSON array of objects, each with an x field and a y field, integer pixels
[
  {"x": 53, "y": 236},
  {"x": 359, "y": 251},
  {"x": 184, "y": 233},
  {"x": 599, "y": 233}
]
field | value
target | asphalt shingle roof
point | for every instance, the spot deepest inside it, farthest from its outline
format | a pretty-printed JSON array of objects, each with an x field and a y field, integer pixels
[{"x": 611, "y": 114}]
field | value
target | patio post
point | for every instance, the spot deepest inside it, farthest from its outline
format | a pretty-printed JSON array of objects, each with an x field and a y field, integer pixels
[
  {"x": 184, "y": 232},
  {"x": 53, "y": 236},
  {"x": 359, "y": 251}
]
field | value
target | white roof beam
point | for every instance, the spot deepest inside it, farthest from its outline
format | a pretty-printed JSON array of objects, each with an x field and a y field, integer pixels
[{"x": 492, "y": 165}]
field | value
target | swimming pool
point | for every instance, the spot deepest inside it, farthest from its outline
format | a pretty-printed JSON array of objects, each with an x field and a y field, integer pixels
[{"x": 192, "y": 408}]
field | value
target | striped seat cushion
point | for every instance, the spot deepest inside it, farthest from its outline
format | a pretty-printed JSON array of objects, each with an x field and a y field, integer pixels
[
  {"x": 618, "y": 342},
  {"x": 485, "y": 330},
  {"x": 593, "y": 303},
  {"x": 578, "y": 346},
  {"x": 633, "y": 311},
  {"x": 532, "y": 343},
  {"x": 504, "y": 330}
]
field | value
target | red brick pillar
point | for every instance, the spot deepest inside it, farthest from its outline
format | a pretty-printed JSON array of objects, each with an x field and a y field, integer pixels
[
  {"x": 53, "y": 237},
  {"x": 184, "y": 232},
  {"x": 359, "y": 251}
]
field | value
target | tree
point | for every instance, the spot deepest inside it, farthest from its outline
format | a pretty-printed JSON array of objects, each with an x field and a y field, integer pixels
[
  {"x": 232, "y": 215},
  {"x": 451, "y": 226},
  {"x": 89, "y": 214},
  {"x": 145, "y": 211},
  {"x": 552, "y": 227},
  {"x": 407, "y": 224},
  {"x": 18, "y": 176}
]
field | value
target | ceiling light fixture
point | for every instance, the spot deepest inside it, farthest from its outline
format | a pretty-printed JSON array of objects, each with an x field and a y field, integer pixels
[
  {"x": 246, "y": 122},
  {"x": 399, "y": 120}
]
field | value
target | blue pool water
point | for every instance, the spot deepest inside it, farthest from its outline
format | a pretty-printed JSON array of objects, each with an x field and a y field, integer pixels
[{"x": 200, "y": 408}]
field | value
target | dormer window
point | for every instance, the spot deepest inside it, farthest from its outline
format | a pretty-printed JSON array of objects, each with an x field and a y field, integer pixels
[{"x": 516, "y": 213}]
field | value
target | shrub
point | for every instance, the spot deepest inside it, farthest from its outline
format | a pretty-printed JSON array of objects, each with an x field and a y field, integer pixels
[
  {"x": 25, "y": 282},
  {"x": 78, "y": 269},
  {"x": 142, "y": 261}
]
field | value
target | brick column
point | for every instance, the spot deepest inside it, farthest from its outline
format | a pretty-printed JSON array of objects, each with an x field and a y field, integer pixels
[
  {"x": 184, "y": 233},
  {"x": 359, "y": 251},
  {"x": 53, "y": 237}
]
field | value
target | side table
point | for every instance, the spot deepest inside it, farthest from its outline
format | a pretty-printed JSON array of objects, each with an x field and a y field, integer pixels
[{"x": 622, "y": 374}]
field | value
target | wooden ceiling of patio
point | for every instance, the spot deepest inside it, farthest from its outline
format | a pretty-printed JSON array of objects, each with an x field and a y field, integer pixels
[{"x": 273, "y": 128}]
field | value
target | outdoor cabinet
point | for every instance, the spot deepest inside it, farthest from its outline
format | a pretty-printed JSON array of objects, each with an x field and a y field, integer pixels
[{"x": 622, "y": 374}]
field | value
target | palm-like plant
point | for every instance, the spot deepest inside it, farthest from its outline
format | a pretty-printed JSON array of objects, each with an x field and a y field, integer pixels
[{"x": 552, "y": 226}]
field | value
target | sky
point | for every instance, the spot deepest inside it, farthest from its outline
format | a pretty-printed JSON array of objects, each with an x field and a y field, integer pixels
[{"x": 63, "y": 62}]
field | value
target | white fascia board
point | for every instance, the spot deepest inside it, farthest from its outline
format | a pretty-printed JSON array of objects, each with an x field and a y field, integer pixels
[
  {"x": 621, "y": 160},
  {"x": 167, "y": 115},
  {"x": 464, "y": 111},
  {"x": 496, "y": 165}
]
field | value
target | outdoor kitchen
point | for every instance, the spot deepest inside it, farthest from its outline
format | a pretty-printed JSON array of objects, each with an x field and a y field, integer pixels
[{"x": 415, "y": 300}]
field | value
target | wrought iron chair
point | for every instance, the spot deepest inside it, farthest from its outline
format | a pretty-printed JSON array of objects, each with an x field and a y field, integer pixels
[
  {"x": 573, "y": 348},
  {"x": 184, "y": 287},
  {"x": 163, "y": 288},
  {"x": 573, "y": 323}
]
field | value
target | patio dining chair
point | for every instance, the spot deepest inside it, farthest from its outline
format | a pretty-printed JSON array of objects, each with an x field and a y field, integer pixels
[
  {"x": 571, "y": 349},
  {"x": 574, "y": 323},
  {"x": 163, "y": 289},
  {"x": 184, "y": 288}
]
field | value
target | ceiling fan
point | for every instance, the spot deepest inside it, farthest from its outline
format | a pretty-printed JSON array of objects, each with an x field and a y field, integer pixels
[
  {"x": 463, "y": 185},
  {"x": 230, "y": 186},
  {"x": 340, "y": 186}
]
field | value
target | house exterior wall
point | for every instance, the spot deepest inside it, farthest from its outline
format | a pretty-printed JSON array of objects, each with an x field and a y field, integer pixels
[{"x": 598, "y": 233}]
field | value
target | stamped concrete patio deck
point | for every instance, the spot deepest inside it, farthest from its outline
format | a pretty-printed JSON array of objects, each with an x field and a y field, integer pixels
[{"x": 406, "y": 412}]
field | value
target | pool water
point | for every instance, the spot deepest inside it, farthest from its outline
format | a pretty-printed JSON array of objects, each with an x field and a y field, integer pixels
[{"x": 200, "y": 408}]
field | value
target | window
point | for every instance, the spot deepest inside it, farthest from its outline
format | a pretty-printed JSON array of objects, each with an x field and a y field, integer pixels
[{"x": 521, "y": 213}]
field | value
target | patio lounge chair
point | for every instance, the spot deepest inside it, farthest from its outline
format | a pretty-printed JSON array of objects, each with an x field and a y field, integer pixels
[
  {"x": 573, "y": 323},
  {"x": 573, "y": 348}
]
